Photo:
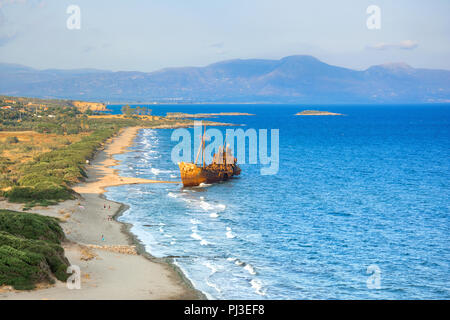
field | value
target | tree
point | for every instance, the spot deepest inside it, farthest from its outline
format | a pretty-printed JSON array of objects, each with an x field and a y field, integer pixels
[{"x": 126, "y": 110}]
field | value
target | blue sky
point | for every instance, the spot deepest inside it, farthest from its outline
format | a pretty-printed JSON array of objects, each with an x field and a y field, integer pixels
[{"x": 153, "y": 34}]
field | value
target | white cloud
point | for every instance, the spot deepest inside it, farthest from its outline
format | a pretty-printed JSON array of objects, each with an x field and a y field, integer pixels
[
  {"x": 405, "y": 45},
  {"x": 5, "y": 2}
]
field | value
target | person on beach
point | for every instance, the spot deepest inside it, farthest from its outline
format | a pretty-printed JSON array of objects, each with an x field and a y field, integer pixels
[
  {"x": 103, "y": 238},
  {"x": 104, "y": 206}
]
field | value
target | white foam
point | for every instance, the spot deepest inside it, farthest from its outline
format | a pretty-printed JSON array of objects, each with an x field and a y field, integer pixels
[
  {"x": 204, "y": 185},
  {"x": 231, "y": 259},
  {"x": 257, "y": 285},
  {"x": 204, "y": 243},
  {"x": 250, "y": 269},
  {"x": 229, "y": 234},
  {"x": 212, "y": 285},
  {"x": 210, "y": 267},
  {"x": 221, "y": 207},
  {"x": 143, "y": 192},
  {"x": 214, "y": 215},
  {"x": 156, "y": 171},
  {"x": 211, "y": 207},
  {"x": 161, "y": 229},
  {"x": 172, "y": 195},
  {"x": 196, "y": 236},
  {"x": 238, "y": 262},
  {"x": 195, "y": 221},
  {"x": 187, "y": 200},
  {"x": 173, "y": 176},
  {"x": 206, "y": 206}
]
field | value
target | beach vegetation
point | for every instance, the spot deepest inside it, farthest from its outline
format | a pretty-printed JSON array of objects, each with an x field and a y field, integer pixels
[
  {"x": 30, "y": 250},
  {"x": 11, "y": 139}
]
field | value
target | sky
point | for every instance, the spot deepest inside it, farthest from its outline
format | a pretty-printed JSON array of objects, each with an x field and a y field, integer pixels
[{"x": 153, "y": 34}]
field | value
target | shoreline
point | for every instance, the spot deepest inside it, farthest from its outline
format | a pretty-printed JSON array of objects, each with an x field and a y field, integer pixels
[{"x": 112, "y": 260}]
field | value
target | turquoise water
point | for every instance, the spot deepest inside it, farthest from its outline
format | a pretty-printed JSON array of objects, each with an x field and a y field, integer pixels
[{"x": 368, "y": 188}]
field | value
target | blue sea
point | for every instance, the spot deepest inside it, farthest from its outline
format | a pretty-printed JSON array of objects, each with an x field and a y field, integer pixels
[{"x": 356, "y": 193}]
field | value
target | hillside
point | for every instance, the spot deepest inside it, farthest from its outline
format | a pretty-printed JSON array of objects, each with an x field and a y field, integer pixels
[{"x": 294, "y": 79}]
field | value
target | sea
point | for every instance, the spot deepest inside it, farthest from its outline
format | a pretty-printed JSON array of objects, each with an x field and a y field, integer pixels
[{"x": 359, "y": 207}]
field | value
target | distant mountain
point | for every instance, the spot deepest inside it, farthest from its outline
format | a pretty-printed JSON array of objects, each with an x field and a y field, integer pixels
[{"x": 294, "y": 79}]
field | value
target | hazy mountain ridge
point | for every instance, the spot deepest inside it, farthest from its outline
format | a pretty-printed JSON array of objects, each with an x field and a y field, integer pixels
[{"x": 294, "y": 79}]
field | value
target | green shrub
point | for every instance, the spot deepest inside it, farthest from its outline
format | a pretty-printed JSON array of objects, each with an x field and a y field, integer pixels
[
  {"x": 21, "y": 269},
  {"x": 30, "y": 250},
  {"x": 31, "y": 226},
  {"x": 43, "y": 191},
  {"x": 11, "y": 140},
  {"x": 24, "y": 262}
]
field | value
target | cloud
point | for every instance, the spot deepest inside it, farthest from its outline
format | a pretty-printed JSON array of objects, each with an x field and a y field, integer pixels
[
  {"x": 404, "y": 45},
  {"x": 218, "y": 45},
  {"x": 5, "y": 2}
]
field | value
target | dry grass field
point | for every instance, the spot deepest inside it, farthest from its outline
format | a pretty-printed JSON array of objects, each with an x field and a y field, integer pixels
[
  {"x": 30, "y": 144},
  {"x": 19, "y": 147}
]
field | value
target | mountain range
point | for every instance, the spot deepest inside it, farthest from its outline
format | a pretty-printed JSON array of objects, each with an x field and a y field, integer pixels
[{"x": 293, "y": 79}]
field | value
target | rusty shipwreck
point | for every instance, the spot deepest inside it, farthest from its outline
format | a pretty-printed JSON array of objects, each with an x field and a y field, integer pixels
[{"x": 222, "y": 168}]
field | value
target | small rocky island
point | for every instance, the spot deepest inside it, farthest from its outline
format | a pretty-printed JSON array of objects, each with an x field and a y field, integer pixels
[{"x": 317, "y": 113}]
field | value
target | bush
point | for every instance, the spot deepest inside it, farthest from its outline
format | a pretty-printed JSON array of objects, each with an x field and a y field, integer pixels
[
  {"x": 21, "y": 269},
  {"x": 11, "y": 140},
  {"x": 31, "y": 226},
  {"x": 42, "y": 191},
  {"x": 30, "y": 250}
]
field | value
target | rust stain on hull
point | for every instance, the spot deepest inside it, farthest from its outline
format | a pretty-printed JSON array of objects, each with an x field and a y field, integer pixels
[{"x": 193, "y": 175}]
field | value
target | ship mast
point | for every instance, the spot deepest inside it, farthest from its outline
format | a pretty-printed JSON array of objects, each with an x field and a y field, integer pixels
[
  {"x": 203, "y": 147},
  {"x": 198, "y": 152},
  {"x": 224, "y": 157}
]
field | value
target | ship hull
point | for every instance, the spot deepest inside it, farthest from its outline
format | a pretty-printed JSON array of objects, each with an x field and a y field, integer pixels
[{"x": 192, "y": 175}]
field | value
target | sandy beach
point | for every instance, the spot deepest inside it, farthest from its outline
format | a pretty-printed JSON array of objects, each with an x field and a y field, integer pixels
[{"x": 112, "y": 264}]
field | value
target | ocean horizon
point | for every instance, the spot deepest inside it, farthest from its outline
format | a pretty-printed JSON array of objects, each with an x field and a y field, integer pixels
[{"x": 354, "y": 193}]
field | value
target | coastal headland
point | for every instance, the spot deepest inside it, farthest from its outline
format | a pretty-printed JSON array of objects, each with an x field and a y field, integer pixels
[{"x": 113, "y": 264}]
